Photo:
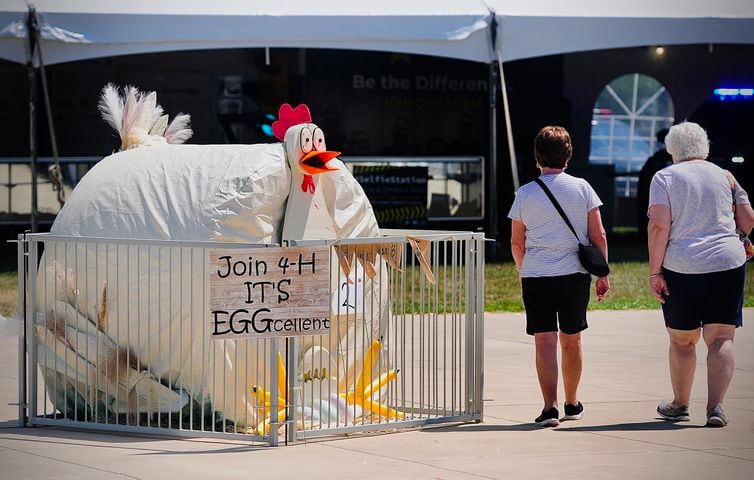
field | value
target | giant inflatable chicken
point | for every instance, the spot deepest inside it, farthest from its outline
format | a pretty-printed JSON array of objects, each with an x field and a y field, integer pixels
[{"x": 142, "y": 307}]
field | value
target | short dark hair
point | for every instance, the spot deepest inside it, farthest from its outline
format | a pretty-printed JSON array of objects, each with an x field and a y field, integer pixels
[{"x": 552, "y": 147}]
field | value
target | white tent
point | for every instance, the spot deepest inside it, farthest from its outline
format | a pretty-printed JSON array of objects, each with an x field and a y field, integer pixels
[
  {"x": 81, "y": 29},
  {"x": 548, "y": 27},
  {"x": 76, "y": 30}
]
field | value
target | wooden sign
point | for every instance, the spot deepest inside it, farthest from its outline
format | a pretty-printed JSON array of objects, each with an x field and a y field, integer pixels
[{"x": 269, "y": 292}]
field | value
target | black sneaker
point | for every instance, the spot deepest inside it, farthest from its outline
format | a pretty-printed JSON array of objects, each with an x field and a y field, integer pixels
[
  {"x": 548, "y": 418},
  {"x": 573, "y": 412}
]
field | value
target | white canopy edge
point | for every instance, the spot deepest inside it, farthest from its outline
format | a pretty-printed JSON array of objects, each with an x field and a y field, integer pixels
[
  {"x": 82, "y": 29},
  {"x": 624, "y": 9},
  {"x": 550, "y": 27},
  {"x": 77, "y": 30}
]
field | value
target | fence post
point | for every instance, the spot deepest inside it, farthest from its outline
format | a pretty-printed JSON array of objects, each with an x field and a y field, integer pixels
[
  {"x": 479, "y": 322},
  {"x": 33, "y": 264},
  {"x": 469, "y": 264},
  {"x": 274, "y": 391},
  {"x": 290, "y": 397},
  {"x": 22, "y": 251}
]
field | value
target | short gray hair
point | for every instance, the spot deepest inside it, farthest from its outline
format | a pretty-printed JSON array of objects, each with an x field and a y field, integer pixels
[{"x": 687, "y": 140}]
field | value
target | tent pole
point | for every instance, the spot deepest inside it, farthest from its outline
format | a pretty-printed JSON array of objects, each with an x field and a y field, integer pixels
[
  {"x": 56, "y": 176},
  {"x": 491, "y": 203},
  {"x": 31, "y": 28},
  {"x": 508, "y": 126}
]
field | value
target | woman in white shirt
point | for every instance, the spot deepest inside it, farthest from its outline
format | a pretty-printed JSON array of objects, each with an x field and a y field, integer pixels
[{"x": 555, "y": 286}]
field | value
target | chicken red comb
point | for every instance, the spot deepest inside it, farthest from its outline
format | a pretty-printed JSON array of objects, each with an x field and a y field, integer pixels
[{"x": 289, "y": 117}]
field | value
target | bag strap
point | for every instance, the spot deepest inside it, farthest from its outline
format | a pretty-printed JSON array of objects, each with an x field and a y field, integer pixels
[{"x": 557, "y": 206}]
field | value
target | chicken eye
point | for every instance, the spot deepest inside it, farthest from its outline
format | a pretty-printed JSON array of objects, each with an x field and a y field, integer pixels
[
  {"x": 306, "y": 140},
  {"x": 319, "y": 140}
]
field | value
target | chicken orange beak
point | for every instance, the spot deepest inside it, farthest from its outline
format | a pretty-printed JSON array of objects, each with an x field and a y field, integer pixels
[{"x": 316, "y": 162}]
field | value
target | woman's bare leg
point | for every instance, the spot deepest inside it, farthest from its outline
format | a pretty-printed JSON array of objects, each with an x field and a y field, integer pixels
[
  {"x": 682, "y": 359},
  {"x": 570, "y": 346},
  {"x": 720, "y": 361},
  {"x": 547, "y": 366}
]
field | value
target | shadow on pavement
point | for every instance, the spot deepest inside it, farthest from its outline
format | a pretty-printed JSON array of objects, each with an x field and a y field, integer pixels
[
  {"x": 67, "y": 437},
  {"x": 234, "y": 449},
  {"x": 71, "y": 436},
  {"x": 655, "y": 425},
  {"x": 484, "y": 427},
  {"x": 630, "y": 427}
]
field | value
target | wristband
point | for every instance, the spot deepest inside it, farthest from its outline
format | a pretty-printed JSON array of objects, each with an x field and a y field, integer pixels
[{"x": 655, "y": 275}]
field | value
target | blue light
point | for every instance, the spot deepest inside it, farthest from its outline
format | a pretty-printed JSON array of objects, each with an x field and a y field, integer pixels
[
  {"x": 267, "y": 129},
  {"x": 270, "y": 116},
  {"x": 724, "y": 94}
]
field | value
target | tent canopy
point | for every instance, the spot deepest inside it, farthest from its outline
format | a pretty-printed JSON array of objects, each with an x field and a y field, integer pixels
[
  {"x": 549, "y": 27},
  {"x": 76, "y": 30},
  {"x": 81, "y": 29}
]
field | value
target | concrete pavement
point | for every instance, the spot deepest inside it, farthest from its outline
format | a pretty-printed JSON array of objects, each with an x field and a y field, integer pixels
[{"x": 625, "y": 376}]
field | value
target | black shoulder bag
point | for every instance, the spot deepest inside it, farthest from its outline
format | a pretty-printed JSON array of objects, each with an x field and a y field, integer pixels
[{"x": 590, "y": 257}]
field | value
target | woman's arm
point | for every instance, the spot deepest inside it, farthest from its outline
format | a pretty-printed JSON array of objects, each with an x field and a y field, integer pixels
[
  {"x": 744, "y": 215},
  {"x": 518, "y": 242},
  {"x": 744, "y": 218},
  {"x": 598, "y": 238},
  {"x": 658, "y": 233},
  {"x": 596, "y": 231}
]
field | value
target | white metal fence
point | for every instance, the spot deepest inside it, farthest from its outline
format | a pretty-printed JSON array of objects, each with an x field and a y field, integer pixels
[{"x": 117, "y": 337}]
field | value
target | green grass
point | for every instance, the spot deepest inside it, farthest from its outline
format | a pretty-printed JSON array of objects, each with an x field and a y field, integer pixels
[
  {"x": 628, "y": 281},
  {"x": 8, "y": 293},
  {"x": 628, "y": 288}
]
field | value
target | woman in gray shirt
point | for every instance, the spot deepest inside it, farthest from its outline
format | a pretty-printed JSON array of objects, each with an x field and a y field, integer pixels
[{"x": 697, "y": 266}]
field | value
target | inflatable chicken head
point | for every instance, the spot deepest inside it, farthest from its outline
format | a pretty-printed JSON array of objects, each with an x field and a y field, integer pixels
[{"x": 304, "y": 144}]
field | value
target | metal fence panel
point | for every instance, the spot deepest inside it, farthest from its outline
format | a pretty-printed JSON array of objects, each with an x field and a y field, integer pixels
[{"x": 118, "y": 330}]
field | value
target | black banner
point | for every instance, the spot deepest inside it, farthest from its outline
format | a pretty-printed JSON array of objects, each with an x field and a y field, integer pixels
[{"x": 398, "y": 194}]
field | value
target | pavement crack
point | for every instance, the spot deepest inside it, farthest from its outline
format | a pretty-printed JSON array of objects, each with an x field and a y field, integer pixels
[
  {"x": 411, "y": 461},
  {"x": 94, "y": 444},
  {"x": 72, "y": 463},
  {"x": 669, "y": 445}
]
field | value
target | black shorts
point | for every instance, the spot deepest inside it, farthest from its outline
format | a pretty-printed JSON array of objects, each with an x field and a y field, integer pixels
[
  {"x": 556, "y": 301},
  {"x": 697, "y": 299}
]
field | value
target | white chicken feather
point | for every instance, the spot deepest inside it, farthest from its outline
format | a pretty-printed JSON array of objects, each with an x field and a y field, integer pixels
[
  {"x": 111, "y": 107},
  {"x": 179, "y": 129},
  {"x": 139, "y": 120}
]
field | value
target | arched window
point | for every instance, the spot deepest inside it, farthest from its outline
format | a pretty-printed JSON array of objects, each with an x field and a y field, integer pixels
[{"x": 628, "y": 113}]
